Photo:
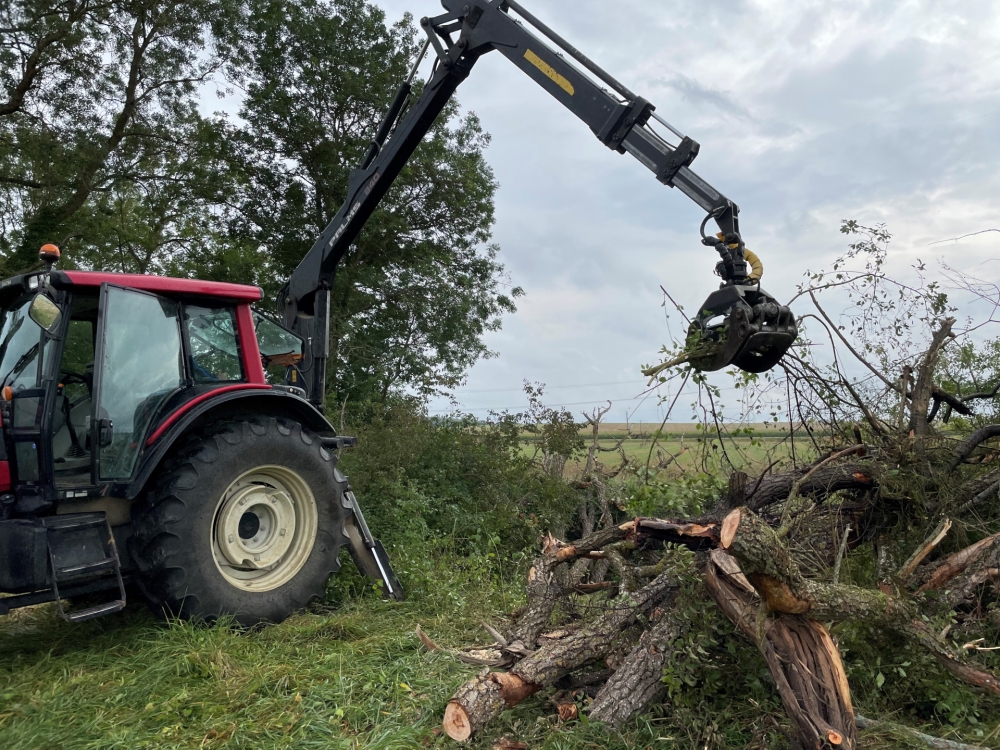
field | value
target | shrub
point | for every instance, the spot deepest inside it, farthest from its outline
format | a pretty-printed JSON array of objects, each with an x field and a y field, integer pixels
[{"x": 421, "y": 477}]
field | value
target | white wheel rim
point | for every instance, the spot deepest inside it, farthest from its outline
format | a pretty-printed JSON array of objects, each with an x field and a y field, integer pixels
[{"x": 264, "y": 528}]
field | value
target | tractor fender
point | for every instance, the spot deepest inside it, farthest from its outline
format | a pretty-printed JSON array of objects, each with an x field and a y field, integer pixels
[{"x": 228, "y": 403}]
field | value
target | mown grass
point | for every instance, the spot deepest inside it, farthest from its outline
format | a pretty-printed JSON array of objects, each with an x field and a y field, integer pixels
[
  {"x": 346, "y": 677},
  {"x": 353, "y": 675}
]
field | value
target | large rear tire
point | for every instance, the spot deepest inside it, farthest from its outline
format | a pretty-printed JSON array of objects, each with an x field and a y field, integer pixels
[{"x": 245, "y": 520}]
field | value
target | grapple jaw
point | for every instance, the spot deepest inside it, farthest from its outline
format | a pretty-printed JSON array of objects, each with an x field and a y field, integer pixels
[{"x": 742, "y": 326}]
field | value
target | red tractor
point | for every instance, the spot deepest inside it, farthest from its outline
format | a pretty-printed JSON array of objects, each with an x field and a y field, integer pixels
[
  {"x": 144, "y": 413},
  {"x": 166, "y": 416}
]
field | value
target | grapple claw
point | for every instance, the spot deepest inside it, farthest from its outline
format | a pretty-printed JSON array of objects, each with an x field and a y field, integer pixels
[{"x": 742, "y": 326}]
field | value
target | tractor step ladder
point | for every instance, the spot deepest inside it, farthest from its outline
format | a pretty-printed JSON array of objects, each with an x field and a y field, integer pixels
[{"x": 82, "y": 550}]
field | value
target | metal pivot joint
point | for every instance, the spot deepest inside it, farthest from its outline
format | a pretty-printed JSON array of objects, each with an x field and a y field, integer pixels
[
  {"x": 732, "y": 265},
  {"x": 682, "y": 156}
]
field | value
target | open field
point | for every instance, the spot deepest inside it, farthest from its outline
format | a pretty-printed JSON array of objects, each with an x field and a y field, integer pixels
[
  {"x": 681, "y": 446},
  {"x": 645, "y": 429}
]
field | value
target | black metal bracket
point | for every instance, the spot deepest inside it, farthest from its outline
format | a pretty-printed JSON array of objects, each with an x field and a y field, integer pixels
[
  {"x": 620, "y": 124},
  {"x": 432, "y": 34},
  {"x": 682, "y": 156}
]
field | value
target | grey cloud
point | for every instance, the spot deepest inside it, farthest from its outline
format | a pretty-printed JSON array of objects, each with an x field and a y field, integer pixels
[
  {"x": 813, "y": 113},
  {"x": 698, "y": 93}
]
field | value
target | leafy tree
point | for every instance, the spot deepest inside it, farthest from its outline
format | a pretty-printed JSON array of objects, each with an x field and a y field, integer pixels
[
  {"x": 104, "y": 151},
  {"x": 972, "y": 372},
  {"x": 100, "y": 139},
  {"x": 421, "y": 285}
]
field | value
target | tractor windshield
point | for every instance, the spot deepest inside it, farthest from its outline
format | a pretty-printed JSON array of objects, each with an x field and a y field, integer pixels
[{"x": 20, "y": 340}]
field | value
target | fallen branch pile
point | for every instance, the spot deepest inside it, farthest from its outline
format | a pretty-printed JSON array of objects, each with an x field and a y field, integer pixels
[{"x": 617, "y": 592}]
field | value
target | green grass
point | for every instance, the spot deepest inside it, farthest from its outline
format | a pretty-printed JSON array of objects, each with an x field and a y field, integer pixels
[{"x": 350, "y": 676}]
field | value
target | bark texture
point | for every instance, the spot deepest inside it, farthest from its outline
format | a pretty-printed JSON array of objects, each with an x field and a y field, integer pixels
[
  {"x": 639, "y": 679},
  {"x": 803, "y": 660},
  {"x": 924, "y": 387},
  {"x": 478, "y": 701},
  {"x": 774, "y": 488}
]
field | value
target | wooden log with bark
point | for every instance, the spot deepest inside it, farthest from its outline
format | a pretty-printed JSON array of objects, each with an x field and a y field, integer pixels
[
  {"x": 483, "y": 698},
  {"x": 638, "y": 681},
  {"x": 802, "y": 657}
]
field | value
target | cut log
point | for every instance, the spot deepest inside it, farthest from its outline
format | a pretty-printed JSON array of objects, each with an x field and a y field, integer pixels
[
  {"x": 543, "y": 591},
  {"x": 737, "y": 492},
  {"x": 639, "y": 679},
  {"x": 594, "y": 542},
  {"x": 555, "y": 659},
  {"x": 824, "y": 481},
  {"x": 957, "y": 563},
  {"x": 776, "y": 577},
  {"x": 478, "y": 700},
  {"x": 729, "y": 525},
  {"x": 796, "y": 489},
  {"x": 486, "y": 696},
  {"x": 803, "y": 660},
  {"x": 972, "y": 442}
]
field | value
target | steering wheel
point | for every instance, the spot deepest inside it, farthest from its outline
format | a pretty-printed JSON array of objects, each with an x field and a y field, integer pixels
[{"x": 71, "y": 376}]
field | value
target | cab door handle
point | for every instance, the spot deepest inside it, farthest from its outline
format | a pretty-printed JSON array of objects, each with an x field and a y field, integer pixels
[{"x": 105, "y": 432}]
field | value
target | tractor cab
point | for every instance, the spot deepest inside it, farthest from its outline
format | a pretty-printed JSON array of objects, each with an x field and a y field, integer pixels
[{"x": 92, "y": 364}]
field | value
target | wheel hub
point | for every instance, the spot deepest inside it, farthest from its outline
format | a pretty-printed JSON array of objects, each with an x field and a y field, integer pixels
[
  {"x": 249, "y": 525},
  {"x": 265, "y": 527}
]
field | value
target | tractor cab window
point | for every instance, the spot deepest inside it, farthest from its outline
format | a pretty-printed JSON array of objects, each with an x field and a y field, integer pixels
[
  {"x": 141, "y": 365},
  {"x": 24, "y": 350},
  {"x": 21, "y": 340},
  {"x": 214, "y": 345},
  {"x": 279, "y": 347},
  {"x": 71, "y": 438}
]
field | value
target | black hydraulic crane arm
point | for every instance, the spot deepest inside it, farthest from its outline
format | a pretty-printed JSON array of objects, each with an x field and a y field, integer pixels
[{"x": 619, "y": 118}]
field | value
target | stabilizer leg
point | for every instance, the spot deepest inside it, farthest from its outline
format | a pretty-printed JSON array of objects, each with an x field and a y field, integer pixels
[{"x": 367, "y": 552}]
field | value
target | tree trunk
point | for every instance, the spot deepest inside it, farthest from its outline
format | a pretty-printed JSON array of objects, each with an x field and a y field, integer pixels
[
  {"x": 925, "y": 380},
  {"x": 485, "y": 697},
  {"x": 774, "y": 488},
  {"x": 777, "y": 578},
  {"x": 639, "y": 680},
  {"x": 803, "y": 660}
]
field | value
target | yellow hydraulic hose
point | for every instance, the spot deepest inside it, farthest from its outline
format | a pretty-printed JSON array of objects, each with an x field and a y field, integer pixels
[{"x": 756, "y": 267}]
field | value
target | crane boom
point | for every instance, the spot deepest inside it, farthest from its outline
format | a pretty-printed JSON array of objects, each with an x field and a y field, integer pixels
[{"x": 619, "y": 118}]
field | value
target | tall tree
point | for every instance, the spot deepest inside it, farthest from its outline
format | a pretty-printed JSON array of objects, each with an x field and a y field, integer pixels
[
  {"x": 421, "y": 284},
  {"x": 99, "y": 127},
  {"x": 103, "y": 149}
]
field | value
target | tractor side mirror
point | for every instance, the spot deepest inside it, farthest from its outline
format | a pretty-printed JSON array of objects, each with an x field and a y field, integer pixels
[{"x": 45, "y": 313}]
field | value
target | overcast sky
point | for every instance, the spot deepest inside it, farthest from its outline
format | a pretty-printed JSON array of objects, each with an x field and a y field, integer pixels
[{"x": 807, "y": 113}]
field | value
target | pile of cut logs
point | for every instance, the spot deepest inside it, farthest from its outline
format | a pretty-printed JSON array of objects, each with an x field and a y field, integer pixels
[{"x": 622, "y": 584}]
